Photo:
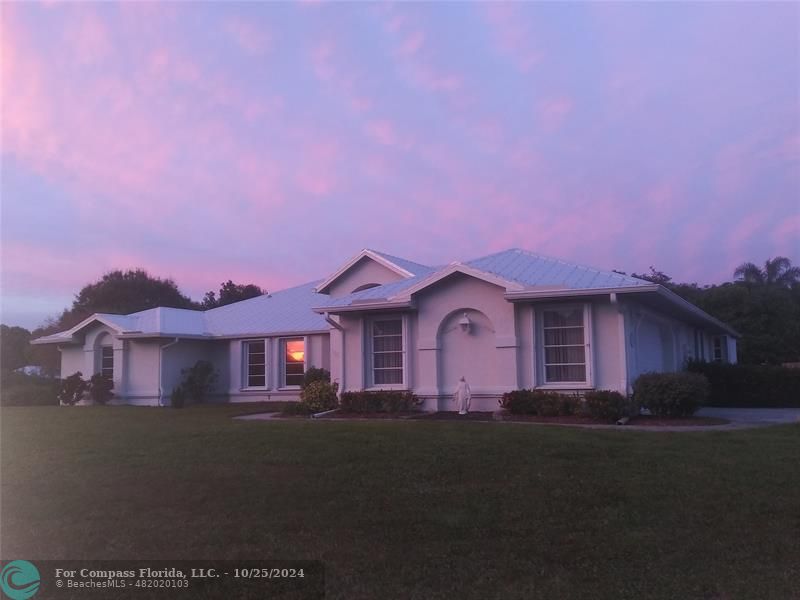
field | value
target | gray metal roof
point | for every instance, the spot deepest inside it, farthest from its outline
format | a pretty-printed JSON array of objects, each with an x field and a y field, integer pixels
[
  {"x": 293, "y": 310},
  {"x": 530, "y": 269}
]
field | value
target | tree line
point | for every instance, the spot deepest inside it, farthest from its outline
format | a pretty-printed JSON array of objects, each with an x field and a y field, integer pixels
[{"x": 761, "y": 303}]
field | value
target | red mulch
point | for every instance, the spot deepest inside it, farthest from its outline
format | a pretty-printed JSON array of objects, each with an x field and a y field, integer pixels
[{"x": 375, "y": 415}]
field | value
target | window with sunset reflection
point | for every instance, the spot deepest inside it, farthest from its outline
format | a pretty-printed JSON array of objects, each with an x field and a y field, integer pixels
[{"x": 294, "y": 361}]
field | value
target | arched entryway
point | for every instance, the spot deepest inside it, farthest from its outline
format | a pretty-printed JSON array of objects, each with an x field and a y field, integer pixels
[{"x": 467, "y": 347}]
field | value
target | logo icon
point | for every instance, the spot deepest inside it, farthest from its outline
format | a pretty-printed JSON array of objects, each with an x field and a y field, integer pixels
[{"x": 19, "y": 580}]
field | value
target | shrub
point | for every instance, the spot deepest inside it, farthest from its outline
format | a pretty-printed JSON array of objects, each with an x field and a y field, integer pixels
[
  {"x": 750, "y": 385},
  {"x": 315, "y": 374},
  {"x": 72, "y": 389},
  {"x": 538, "y": 402},
  {"x": 177, "y": 399},
  {"x": 671, "y": 394},
  {"x": 606, "y": 405},
  {"x": 198, "y": 381},
  {"x": 319, "y": 396},
  {"x": 388, "y": 401},
  {"x": 100, "y": 388}
]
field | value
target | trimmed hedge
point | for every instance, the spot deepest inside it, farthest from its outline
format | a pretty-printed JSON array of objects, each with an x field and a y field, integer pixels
[
  {"x": 751, "y": 386},
  {"x": 387, "y": 401},
  {"x": 671, "y": 394},
  {"x": 539, "y": 402},
  {"x": 607, "y": 405}
]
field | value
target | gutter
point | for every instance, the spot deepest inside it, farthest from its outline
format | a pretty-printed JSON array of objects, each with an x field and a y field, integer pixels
[
  {"x": 613, "y": 292},
  {"x": 160, "y": 369},
  {"x": 362, "y": 307}
]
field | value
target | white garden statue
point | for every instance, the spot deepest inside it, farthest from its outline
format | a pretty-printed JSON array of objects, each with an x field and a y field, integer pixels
[{"x": 462, "y": 396}]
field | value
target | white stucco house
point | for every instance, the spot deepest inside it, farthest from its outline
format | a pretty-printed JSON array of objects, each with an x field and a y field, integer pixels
[{"x": 509, "y": 320}]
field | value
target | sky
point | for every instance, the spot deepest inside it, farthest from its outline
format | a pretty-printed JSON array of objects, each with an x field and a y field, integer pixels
[{"x": 270, "y": 142}]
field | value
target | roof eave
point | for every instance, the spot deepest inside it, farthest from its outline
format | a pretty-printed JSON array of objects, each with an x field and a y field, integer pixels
[{"x": 362, "y": 307}]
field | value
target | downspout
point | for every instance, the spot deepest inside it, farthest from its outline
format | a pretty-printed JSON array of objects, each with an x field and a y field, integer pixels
[
  {"x": 338, "y": 327},
  {"x": 160, "y": 369}
]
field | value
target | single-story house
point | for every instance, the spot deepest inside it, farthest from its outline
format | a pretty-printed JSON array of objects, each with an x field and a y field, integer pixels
[{"x": 509, "y": 320}]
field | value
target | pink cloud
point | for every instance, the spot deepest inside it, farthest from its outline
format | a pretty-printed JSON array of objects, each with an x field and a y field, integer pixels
[
  {"x": 412, "y": 43},
  {"x": 512, "y": 35},
  {"x": 554, "y": 111},
  {"x": 382, "y": 131},
  {"x": 253, "y": 40}
]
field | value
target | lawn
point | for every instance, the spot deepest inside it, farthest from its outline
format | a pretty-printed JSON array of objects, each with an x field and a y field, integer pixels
[{"x": 412, "y": 509}]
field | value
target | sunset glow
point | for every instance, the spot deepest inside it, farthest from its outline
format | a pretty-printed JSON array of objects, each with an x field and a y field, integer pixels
[{"x": 264, "y": 142}]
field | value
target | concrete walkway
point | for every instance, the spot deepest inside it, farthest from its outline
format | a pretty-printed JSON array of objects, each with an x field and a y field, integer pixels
[
  {"x": 753, "y": 416},
  {"x": 740, "y": 418}
]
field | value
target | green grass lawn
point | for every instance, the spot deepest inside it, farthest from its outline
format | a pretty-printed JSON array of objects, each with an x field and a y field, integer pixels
[{"x": 412, "y": 509}]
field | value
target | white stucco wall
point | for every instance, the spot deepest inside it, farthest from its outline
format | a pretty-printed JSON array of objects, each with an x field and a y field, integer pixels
[{"x": 365, "y": 271}]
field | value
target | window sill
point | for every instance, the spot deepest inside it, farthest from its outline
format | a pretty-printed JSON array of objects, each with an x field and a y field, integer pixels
[
  {"x": 565, "y": 385},
  {"x": 254, "y": 389},
  {"x": 289, "y": 388},
  {"x": 394, "y": 387}
]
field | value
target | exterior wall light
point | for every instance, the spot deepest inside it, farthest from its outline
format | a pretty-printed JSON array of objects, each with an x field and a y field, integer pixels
[{"x": 465, "y": 323}]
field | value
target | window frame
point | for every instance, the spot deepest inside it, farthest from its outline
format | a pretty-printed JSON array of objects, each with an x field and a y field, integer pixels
[
  {"x": 369, "y": 356},
  {"x": 110, "y": 349},
  {"x": 539, "y": 350},
  {"x": 245, "y": 352},
  {"x": 722, "y": 341},
  {"x": 282, "y": 385}
]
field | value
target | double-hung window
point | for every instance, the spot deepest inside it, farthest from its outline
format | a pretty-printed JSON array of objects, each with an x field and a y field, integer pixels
[
  {"x": 564, "y": 345},
  {"x": 254, "y": 354},
  {"x": 293, "y": 361},
  {"x": 107, "y": 362},
  {"x": 386, "y": 337},
  {"x": 720, "y": 349}
]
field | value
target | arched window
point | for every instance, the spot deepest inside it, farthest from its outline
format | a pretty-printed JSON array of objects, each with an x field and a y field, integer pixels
[{"x": 366, "y": 286}]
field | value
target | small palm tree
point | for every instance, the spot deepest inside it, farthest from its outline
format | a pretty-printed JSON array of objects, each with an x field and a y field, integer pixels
[{"x": 776, "y": 271}]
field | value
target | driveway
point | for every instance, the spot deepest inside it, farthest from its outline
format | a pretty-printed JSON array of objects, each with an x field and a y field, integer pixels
[{"x": 753, "y": 416}]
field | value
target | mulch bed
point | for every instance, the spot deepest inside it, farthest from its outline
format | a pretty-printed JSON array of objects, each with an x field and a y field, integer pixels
[
  {"x": 375, "y": 415},
  {"x": 572, "y": 419},
  {"x": 677, "y": 421}
]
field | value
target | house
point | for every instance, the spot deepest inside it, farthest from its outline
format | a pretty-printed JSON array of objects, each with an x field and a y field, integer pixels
[{"x": 509, "y": 320}]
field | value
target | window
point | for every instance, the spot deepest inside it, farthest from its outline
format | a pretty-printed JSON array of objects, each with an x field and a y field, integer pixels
[
  {"x": 720, "y": 349},
  {"x": 255, "y": 363},
  {"x": 107, "y": 362},
  {"x": 564, "y": 342},
  {"x": 294, "y": 361},
  {"x": 387, "y": 351}
]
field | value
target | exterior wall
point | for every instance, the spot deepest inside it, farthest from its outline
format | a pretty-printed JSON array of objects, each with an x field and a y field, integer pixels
[
  {"x": 364, "y": 272},
  {"x": 141, "y": 359},
  {"x": 71, "y": 360},
  {"x": 317, "y": 348}
]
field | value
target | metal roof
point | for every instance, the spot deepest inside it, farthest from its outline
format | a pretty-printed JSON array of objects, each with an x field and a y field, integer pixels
[{"x": 297, "y": 309}]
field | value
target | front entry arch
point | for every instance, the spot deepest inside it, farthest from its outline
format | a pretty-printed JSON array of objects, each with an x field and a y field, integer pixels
[{"x": 468, "y": 350}]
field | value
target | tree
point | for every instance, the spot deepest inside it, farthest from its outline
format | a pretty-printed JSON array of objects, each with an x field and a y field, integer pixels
[
  {"x": 776, "y": 271},
  {"x": 124, "y": 292},
  {"x": 14, "y": 344},
  {"x": 229, "y": 293},
  {"x": 654, "y": 276}
]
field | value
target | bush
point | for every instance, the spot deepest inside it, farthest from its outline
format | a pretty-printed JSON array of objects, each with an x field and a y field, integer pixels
[
  {"x": 671, "y": 394},
  {"x": 100, "y": 388},
  {"x": 72, "y": 389},
  {"x": 198, "y": 381},
  {"x": 385, "y": 401},
  {"x": 539, "y": 402},
  {"x": 177, "y": 399},
  {"x": 315, "y": 374},
  {"x": 750, "y": 385},
  {"x": 606, "y": 405},
  {"x": 319, "y": 396}
]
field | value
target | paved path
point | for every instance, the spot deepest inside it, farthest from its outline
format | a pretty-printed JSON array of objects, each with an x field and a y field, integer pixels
[
  {"x": 740, "y": 418},
  {"x": 753, "y": 416}
]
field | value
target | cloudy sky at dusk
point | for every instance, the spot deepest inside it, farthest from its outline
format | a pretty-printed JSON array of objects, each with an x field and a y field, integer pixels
[{"x": 267, "y": 143}]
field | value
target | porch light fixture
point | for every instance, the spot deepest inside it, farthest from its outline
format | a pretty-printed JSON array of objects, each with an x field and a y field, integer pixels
[{"x": 465, "y": 323}]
